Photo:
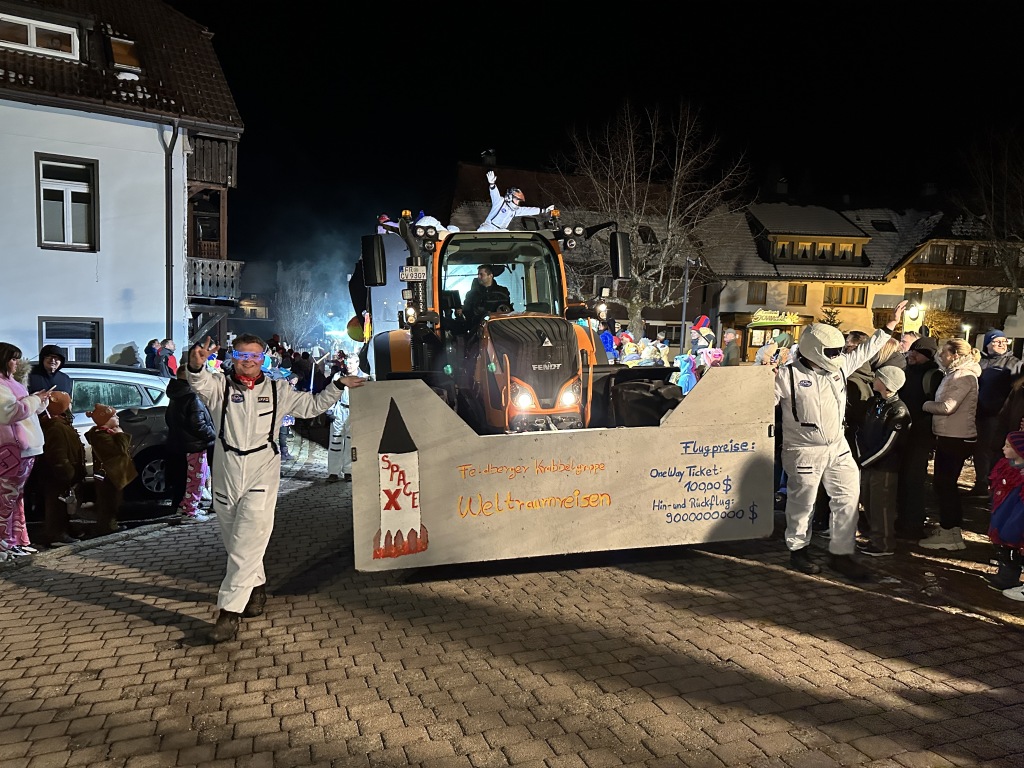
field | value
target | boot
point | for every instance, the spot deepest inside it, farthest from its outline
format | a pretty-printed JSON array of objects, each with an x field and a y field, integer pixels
[
  {"x": 800, "y": 560},
  {"x": 1009, "y": 565},
  {"x": 226, "y": 627},
  {"x": 257, "y": 599},
  {"x": 848, "y": 567}
]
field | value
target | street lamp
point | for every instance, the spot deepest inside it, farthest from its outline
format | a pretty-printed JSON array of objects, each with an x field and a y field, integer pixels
[
  {"x": 686, "y": 296},
  {"x": 967, "y": 331}
]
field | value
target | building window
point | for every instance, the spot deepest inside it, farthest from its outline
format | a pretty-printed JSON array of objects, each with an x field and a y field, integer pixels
[
  {"x": 804, "y": 250},
  {"x": 36, "y": 37},
  {"x": 124, "y": 55},
  {"x": 955, "y": 299},
  {"x": 1007, "y": 304},
  {"x": 80, "y": 339},
  {"x": 797, "y": 294},
  {"x": 825, "y": 250},
  {"x": 846, "y": 251},
  {"x": 783, "y": 249},
  {"x": 936, "y": 254},
  {"x": 845, "y": 296},
  {"x": 757, "y": 293},
  {"x": 914, "y": 295},
  {"x": 68, "y": 211},
  {"x": 962, "y": 254}
]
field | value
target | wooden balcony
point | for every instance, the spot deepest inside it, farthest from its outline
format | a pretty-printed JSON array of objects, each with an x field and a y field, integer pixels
[
  {"x": 954, "y": 274},
  {"x": 214, "y": 281}
]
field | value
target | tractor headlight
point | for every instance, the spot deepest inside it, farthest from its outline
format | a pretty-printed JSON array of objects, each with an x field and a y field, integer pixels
[
  {"x": 572, "y": 396},
  {"x": 411, "y": 315},
  {"x": 419, "y": 231},
  {"x": 522, "y": 398}
]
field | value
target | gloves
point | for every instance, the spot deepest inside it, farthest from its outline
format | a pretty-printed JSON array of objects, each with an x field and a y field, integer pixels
[
  {"x": 549, "y": 209},
  {"x": 491, "y": 178}
]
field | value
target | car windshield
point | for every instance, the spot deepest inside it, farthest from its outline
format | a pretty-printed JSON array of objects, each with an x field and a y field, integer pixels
[{"x": 522, "y": 262}]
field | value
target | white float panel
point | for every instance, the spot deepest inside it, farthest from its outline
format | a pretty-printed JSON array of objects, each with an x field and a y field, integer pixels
[{"x": 703, "y": 475}]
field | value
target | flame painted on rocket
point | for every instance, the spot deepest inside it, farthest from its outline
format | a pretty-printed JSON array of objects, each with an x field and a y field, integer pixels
[{"x": 401, "y": 530}]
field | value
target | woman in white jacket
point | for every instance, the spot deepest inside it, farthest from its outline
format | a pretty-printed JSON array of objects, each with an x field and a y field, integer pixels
[
  {"x": 21, "y": 440},
  {"x": 956, "y": 434}
]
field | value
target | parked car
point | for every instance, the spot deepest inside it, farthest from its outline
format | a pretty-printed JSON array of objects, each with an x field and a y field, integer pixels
[{"x": 139, "y": 395}]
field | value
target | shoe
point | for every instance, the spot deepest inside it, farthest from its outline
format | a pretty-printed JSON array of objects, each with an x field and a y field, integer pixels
[
  {"x": 347, "y": 478},
  {"x": 64, "y": 541},
  {"x": 332, "y": 478},
  {"x": 1015, "y": 593},
  {"x": 848, "y": 567},
  {"x": 285, "y": 456},
  {"x": 204, "y": 494},
  {"x": 28, "y": 549},
  {"x": 257, "y": 599},
  {"x": 944, "y": 538},
  {"x": 226, "y": 627},
  {"x": 800, "y": 560},
  {"x": 872, "y": 551},
  {"x": 780, "y": 502}
]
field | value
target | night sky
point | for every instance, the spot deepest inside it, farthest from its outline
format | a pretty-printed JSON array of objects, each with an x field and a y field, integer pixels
[{"x": 347, "y": 116}]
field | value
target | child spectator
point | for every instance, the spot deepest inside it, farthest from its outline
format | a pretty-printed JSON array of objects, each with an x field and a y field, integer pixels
[
  {"x": 60, "y": 468},
  {"x": 1006, "y": 528},
  {"x": 112, "y": 465},
  {"x": 190, "y": 435},
  {"x": 880, "y": 441}
]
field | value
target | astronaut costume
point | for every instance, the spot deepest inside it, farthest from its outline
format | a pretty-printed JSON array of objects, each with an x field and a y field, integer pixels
[
  {"x": 504, "y": 209},
  {"x": 246, "y": 468},
  {"x": 814, "y": 446}
]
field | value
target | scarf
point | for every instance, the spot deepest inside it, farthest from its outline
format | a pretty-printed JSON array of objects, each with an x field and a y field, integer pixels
[{"x": 249, "y": 381}]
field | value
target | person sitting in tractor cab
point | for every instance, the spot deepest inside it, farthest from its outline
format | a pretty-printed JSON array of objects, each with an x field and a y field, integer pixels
[{"x": 484, "y": 297}]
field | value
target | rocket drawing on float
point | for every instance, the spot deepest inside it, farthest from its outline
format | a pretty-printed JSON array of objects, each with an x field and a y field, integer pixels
[{"x": 401, "y": 530}]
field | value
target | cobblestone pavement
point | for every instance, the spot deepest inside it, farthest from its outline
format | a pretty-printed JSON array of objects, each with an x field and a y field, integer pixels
[{"x": 684, "y": 656}]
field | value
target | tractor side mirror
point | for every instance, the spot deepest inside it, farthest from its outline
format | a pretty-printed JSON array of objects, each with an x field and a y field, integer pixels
[
  {"x": 621, "y": 255},
  {"x": 375, "y": 262}
]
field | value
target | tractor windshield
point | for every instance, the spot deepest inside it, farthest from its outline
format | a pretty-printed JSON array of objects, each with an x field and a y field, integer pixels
[{"x": 523, "y": 262}]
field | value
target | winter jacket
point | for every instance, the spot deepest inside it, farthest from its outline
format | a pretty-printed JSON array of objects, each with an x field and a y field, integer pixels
[
  {"x": 480, "y": 300},
  {"x": 112, "y": 455},
  {"x": 189, "y": 424},
  {"x": 19, "y": 420},
  {"x": 62, "y": 464},
  {"x": 883, "y": 434},
  {"x": 153, "y": 358},
  {"x": 998, "y": 373},
  {"x": 166, "y": 362},
  {"x": 814, "y": 401},
  {"x": 922, "y": 383},
  {"x": 731, "y": 353},
  {"x": 39, "y": 378},
  {"x": 955, "y": 406}
]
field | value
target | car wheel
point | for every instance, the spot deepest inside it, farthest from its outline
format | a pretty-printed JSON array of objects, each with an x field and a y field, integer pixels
[{"x": 152, "y": 480}]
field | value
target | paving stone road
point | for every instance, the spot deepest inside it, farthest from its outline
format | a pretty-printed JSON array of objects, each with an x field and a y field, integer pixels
[{"x": 685, "y": 656}]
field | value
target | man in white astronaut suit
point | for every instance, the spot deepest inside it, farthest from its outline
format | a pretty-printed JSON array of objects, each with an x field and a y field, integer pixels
[
  {"x": 504, "y": 209},
  {"x": 339, "y": 451},
  {"x": 247, "y": 409},
  {"x": 811, "y": 392}
]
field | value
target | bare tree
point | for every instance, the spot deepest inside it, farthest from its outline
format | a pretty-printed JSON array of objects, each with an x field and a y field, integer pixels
[
  {"x": 299, "y": 305},
  {"x": 657, "y": 180},
  {"x": 996, "y": 168}
]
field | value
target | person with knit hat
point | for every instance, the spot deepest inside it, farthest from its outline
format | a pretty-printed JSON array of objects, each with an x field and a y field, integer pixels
[
  {"x": 112, "y": 466},
  {"x": 880, "y": 442},
  {"x": 999, "y": 369},
  {"x": 59, "y": 469},
  {"x": 1006, "y": 527},
  {"x": 923, "y": 376}
]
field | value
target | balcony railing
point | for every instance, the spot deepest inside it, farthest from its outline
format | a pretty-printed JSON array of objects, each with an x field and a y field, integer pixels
[
  {"x": 214, "y": 279},
  {"x": 954, "y": 274}
]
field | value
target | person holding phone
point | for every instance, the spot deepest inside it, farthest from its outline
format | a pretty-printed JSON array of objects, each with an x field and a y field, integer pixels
[{"x": 21, "y": 441}]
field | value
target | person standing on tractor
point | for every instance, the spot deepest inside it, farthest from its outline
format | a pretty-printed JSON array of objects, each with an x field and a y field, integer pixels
[{"x": 504, "y": 209}]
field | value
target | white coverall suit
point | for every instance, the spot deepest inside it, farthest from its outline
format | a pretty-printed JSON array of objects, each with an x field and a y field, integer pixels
[
  {"x": 339, "y": 453},
  {"x": 246, "y": 470},
  {"x": 814, "y": 446},
  {"x": 502, "y": 212}
]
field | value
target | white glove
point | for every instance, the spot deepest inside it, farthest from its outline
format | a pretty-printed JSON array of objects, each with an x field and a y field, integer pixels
[
  {"x": 549, "y": 209},
  {"x": 491, "y": 178}
]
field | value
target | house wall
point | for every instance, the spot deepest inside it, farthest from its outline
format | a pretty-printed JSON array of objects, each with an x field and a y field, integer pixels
[{"x": 124, "y": 282}]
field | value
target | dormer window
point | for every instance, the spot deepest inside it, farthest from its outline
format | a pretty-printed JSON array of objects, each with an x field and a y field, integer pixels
[
  {"x": 124, "y": 55},
  {"x": 783, "y": 249},
  {"x": 38, "y": 37}
]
